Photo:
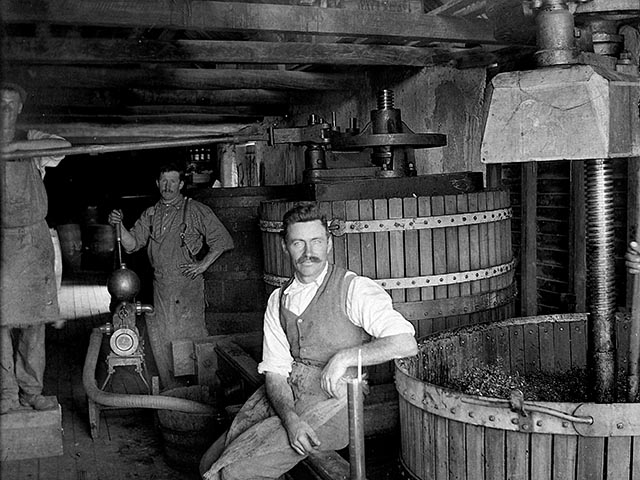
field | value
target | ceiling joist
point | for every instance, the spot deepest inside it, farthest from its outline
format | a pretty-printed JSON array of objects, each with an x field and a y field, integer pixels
[
  {"x": 87, "y": 51},
  {"x": 250, "y": 17},
  {"x": 182, "y": 78}
]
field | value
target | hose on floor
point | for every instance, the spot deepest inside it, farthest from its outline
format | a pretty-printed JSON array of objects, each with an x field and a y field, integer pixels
[{"x": 158, "y": 402}]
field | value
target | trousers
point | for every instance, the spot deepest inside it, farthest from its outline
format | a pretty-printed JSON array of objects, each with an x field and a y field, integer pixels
[
  {"x": 22, "y": 369},
  {"x": 257, "y": 445}
]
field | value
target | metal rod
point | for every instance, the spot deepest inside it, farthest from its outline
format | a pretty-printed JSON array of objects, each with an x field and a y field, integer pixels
[
  {"x": 118, "y": 227},
  {"x": 355, "y": 399},
  {"x": 130, "y": 146}
]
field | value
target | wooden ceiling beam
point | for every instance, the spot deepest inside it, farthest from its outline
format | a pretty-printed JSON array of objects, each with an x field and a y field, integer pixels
[
  {"x": 252, "y": 111},
  {"x": 95, "y": 131},
  {"x": 249, "y": 17},
  {"x": 112, "y": 52},
  {"x": 117, "y": 97},
  {"x": 33, "y": 77},
  {"x": 167, "y": 118}
]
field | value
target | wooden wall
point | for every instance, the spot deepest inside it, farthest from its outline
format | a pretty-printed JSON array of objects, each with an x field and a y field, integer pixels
[{"x": 434, "y": 99}]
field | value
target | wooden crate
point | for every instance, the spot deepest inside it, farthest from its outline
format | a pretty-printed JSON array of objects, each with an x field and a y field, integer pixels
[{"x": 31, "y": 434}]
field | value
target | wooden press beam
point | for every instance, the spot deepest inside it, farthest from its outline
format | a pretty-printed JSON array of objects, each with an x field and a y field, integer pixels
[
  {"x": 243, "y": 17},
  {"x": 185, "y": 78},
  {"x": 102, "y": 51}
]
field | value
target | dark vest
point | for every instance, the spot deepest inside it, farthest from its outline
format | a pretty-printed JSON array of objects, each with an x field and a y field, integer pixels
[
  {"x": 323, "y": 328},
  {"x": 23, "y": 195}
]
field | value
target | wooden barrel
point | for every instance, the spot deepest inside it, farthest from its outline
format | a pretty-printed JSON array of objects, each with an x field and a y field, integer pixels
[
  {"x": 99, "y": 239},
  {"x": 70, "y": 245},
  {"x": 186, "y": 436},
  {"x": 446, "y": 433},
  {"x": 445, "y": 260},
  {"x": 99, "y": 242}
]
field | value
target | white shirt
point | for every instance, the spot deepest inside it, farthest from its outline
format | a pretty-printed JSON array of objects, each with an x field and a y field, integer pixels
[
  {"x": 42, "y": 162},
  {"x": 368, "y": 306}
]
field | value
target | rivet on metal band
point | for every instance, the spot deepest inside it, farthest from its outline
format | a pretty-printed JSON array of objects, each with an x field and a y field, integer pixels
[
  {"x": 424, "y": 281},
  {"x": 339, "y": 227}
]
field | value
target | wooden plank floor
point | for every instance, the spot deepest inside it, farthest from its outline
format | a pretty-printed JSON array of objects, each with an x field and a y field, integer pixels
[{"x": 128, "y": 446}]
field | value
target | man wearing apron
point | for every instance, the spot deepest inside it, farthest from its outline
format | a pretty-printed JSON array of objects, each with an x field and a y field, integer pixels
[
  {"x": 28, "y": 293},
  {"x": 175, "y": 230},
  {"x": 314, "y": 328}
]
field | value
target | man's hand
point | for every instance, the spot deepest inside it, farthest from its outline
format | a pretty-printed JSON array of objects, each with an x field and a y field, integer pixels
[
  {"x": 302, "y": 437},
  {"x": 192, "y": 270},
  {"x": 332, "y": 376},
  {"x": 633, "y": 258},
  {"x": 115, "y": 217}
]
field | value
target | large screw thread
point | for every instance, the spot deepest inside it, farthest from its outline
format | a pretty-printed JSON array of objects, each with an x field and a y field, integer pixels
[{"x": 385, "y": 99}]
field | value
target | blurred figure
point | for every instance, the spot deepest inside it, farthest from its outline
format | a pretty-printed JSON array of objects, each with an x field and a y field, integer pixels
[{"x": 28, "y": 294}]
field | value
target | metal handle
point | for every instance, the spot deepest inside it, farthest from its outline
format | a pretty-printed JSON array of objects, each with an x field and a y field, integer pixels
[
  {"x": 489, "y": 402},
  {"x": 118, "y": 227}
]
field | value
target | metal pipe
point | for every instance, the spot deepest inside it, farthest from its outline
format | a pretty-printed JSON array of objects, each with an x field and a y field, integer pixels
[
  {"x": 601, "y": 275},
  {"x": 131, "y": 146},
  {"x": 122, "y": 400},
  {"x": 555, "y": 34},
  {"x": 355, "y": 409}
]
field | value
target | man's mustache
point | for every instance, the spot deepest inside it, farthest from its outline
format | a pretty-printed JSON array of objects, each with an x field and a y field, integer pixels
[{"x": 308, "y": 258}]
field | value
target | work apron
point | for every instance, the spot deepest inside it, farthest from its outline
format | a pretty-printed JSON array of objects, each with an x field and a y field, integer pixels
[
  {"x": 257, "y": 445},
  {"x": 28, "y": 291},
  {"x": 178, "y": 301}
]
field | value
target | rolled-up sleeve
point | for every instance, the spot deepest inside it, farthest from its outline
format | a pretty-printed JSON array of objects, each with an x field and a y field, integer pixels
[
  {"x": 48, "y": 161},
  {"x": 215, "y": 233},
  {"x": 141, "y": 229},
  {"x": 276, "y": 355},
  {"x": 369, "y": 306}
]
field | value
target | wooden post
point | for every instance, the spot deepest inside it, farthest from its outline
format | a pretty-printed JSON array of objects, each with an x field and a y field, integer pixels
[
  {"x": 494, "y": 175},
  {"x": 633, "y": 215},
  {"x": 528, "y": 254},
  {"x": 578, "y": 238}
]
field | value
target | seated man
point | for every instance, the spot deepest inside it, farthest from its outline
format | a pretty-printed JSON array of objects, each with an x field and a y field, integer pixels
[{"x": 314, "y": 327}]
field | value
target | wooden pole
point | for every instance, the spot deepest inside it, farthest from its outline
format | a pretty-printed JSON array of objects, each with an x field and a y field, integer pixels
[
  {"x": 124, "y": 147},
  {"x": 634, "y": 330}
]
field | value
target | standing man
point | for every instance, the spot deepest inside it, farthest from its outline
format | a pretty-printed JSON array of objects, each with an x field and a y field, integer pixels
[
  {"x": 28, "y": 294},
  {"x": 314, "y": 327},
  {"x": 176, "y": 230}
]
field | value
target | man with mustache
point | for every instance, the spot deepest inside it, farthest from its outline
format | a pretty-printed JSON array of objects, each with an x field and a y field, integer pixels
[
  {"x": 183, "y": 238},
  {"x": 315, "y": 328}
]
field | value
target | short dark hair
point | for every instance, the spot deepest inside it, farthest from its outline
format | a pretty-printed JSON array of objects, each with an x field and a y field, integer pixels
[
  {"x": 303, "y": 212},
  {"x": 171, "y": 167},
  {"x": 14, "y": 87}
]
